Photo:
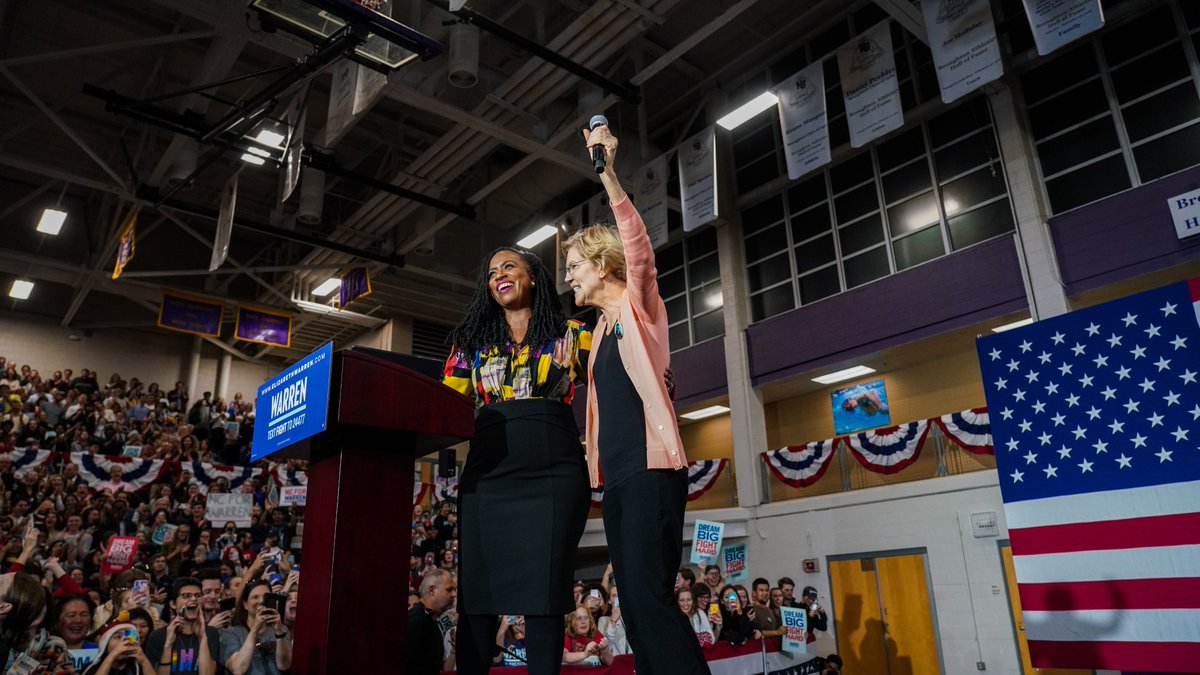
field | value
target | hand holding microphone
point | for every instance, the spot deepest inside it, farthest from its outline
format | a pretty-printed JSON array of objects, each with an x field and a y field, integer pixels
[{"x": 602, "y": 143}]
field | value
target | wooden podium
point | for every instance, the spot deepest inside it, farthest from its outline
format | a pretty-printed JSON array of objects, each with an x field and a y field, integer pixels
[{"x": 352, "y": 615}]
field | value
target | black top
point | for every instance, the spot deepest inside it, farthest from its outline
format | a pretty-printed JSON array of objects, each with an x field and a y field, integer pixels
[
  {"x": 424, "y": 643},
  {"x": 622, "y": 438}
]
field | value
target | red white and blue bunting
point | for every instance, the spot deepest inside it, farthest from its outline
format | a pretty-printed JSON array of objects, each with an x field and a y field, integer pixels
[
  {"x": 205, "y": 475},
  {"x": 801, "y": 465},
  {"x": 702, "y": 476},
  {"x": 137, "y": 473},
  {"x": 286, "y": 476},
  {"x": 24, "y": 461},
  {"x": 890, "y": 449},
  {"x": 970, "y": 430},
  {"x": 420, "y": 492},
  {"x": 446, "y": 489}
]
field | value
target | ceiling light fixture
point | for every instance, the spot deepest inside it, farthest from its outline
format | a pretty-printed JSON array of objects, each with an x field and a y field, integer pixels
[
  {"x": 845, "y": 374},
  {"x": 51, "y": 221},
  {"x": 1010, "y": 326},
  {"x": 748, "y": 110},
  {"x": 710, "y": 411},
  {"x": 271, "y": 139},
  {"x": 253, "y": 159},
  {"x": 20, "y": 289},
  {"x": 328, "y": 287},
  {"x": 538, "y": 236},
  {"x": 255, "y": 150}
]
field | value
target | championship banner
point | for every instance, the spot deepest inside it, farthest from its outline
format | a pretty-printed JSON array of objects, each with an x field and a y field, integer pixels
[
  {"x": 652, "y": 199},
  {"x": 599, "y": 212},
  {"x": 225, "y": 507},
  {"x": 795, "y": 622},
  {"x": 804, "y": 121},
  {"x": 869, "y": 85},
  {"x": 120, "y": 555},
  {"x": 136, "y": 473},
  {"x": 567, "y": 224},
  {"x": 126, "y": 247},
  {"x": 706, "y": 541},
  {"x": 220, "y": 250},
  {"x": 734, "y": 557},
  {"x": 698, "y": 179},
  {"x": 962, "y": 37},
  {"x": 296, "y": 117},
  {"x": 205, "y": 475},
  {"x": 356, "y": 283},
  {"x": 370, "y": 83},
  {"x": 190, "y": 315},
  {"x": 342, "y": 91},
  {"x": 263, "y": 326},
  {"x": 1059, "y": 22}
]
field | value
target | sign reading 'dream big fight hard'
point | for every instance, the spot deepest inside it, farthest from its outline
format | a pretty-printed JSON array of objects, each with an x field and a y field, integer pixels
[
  {"x": 706, "y": 541},
  {"x": 293, "y": 405}
]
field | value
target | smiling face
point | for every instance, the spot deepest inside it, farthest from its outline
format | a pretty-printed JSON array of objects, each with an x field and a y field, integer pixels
[
  {"x": 510, "y": 281},
  {"x": 581, "y": 621},
  {"x": 685, "y": 602},
  {"x": 583, "y": 276},
  {"x": 74, "y": 622}
]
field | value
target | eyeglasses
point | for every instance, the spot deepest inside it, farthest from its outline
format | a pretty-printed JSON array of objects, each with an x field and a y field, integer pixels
[
  {"x": 190, "y": 596},
  {"x": 573, "y": 265}
]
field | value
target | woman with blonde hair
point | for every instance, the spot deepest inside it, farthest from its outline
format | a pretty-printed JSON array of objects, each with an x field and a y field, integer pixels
[{"x": 633, "y": 445}]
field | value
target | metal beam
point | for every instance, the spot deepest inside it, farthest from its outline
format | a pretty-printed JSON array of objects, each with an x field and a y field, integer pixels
[
  {"x": 906, "y": 14},
  {"x": 66, "y": 129},
  {"x": 205, "y": 272},
  {"x": 692, "y": 40},
  {"x": 20, "y": 203},
  {"x": 111, "y": 47}
]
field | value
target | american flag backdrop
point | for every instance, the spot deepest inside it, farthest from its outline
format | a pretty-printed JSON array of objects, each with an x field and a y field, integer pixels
[{"x": 1096, "y": 423}]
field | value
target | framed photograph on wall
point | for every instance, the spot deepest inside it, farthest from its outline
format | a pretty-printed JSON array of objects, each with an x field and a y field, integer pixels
[{"x": 863, "y": 406}]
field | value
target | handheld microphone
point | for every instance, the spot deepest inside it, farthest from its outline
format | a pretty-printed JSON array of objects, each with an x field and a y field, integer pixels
[{"x": 597, "y": 151}]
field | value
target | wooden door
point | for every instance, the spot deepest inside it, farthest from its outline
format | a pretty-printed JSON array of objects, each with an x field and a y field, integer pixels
[
  {"x": 1014, "y": 604},
  {"x": 907, "y": 617},
  {"x": 859, "y": 616}
]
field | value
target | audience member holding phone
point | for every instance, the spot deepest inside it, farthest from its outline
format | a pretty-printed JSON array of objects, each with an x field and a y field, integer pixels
[
  {"x": 120, "y": 653},
  {"x": 736, "y": 625},
  {"x": 257, "y": 643}
]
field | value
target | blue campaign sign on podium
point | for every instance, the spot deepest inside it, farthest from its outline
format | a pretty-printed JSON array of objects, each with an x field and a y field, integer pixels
[{"x": 293, "y": 405}]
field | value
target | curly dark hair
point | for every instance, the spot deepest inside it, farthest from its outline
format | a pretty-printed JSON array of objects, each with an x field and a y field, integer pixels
[{"x": 484, "y": 326}]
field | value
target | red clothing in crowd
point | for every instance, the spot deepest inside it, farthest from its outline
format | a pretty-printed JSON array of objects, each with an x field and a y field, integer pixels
[
  {"x": 67, "y": 588},
  {"x": 579, "y": 643}
]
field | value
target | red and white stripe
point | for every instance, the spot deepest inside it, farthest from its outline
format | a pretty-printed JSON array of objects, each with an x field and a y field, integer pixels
[{"x": 1113, "y": 573}]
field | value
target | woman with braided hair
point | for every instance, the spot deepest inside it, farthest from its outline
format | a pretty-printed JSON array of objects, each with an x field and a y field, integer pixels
[{"x": 524, "y": 491}]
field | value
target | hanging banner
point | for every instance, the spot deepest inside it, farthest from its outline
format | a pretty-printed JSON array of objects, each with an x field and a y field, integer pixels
[
  {"x": 889, "y": 450},
  {"x": 698, "y": 179},
  {"x": 190, "y": 315},
  {"x": 651, "y": 199},
  {"x": 734, "y": 557},
  {"x": 126, "y": 248},
  {"x": 220, "y": 250},
  {"x": 970, "y": 430},
  {"x": 296, "y": 117},
  {"x": 869, "y": 85},
  {"x": 599, "y": 212},
  {"x": 263, "y": 326},
  {"x": 1059, "y": 22},
  {"x": 803, "y": 120},
  {"x": 962, "y": 37},
  {"x": 284, "y": 411},
  {"x": 120, "y": 555},
  {"x": 706, "y": 541},
  {"x": 702, "y": 475},
  {"x": 341, "y": 100},
  {"x": 795, "y": 622},
  {"x": 801, "y": 465},
  {"x": 567, "y": 224},
  {"x": 356, "y": 283}
]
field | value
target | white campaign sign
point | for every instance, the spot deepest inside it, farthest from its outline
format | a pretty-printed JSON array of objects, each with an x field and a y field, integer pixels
[
  {"x": 293, "y": 495},
  {"x": 869, "y": 85},
  {"x": 803, "y": 120},
  {"x": 698, "y": 179},
  {"x": 962, "y": 37},
  {"x": 1059, "y": 22},
  {"x": 651, "y": 199},
  {"x": 224, "y": 507}
]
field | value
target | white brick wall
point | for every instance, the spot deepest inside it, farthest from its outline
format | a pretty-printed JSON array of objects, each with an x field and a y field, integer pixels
[
  {"x": 151, "y": 355},
  {"x": 933, "y": 515}
]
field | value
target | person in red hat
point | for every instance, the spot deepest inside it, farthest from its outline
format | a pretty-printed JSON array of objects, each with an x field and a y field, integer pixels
[{"x": 120, "y": 651}]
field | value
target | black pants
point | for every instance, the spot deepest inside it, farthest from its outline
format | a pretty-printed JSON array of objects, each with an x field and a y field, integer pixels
[
  {"x": 476, "y": 643},
  {"x": 643, "y": 521}
]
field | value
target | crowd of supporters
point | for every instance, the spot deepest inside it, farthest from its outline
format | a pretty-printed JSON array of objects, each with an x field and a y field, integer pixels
[{"x": 212, "y": 597}]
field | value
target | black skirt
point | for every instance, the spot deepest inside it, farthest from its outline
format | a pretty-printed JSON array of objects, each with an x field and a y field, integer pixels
[{"x": 524, "y": 501}]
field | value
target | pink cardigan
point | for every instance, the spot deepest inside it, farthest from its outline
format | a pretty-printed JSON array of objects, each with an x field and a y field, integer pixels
[{"x": 645, "y": 351}]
